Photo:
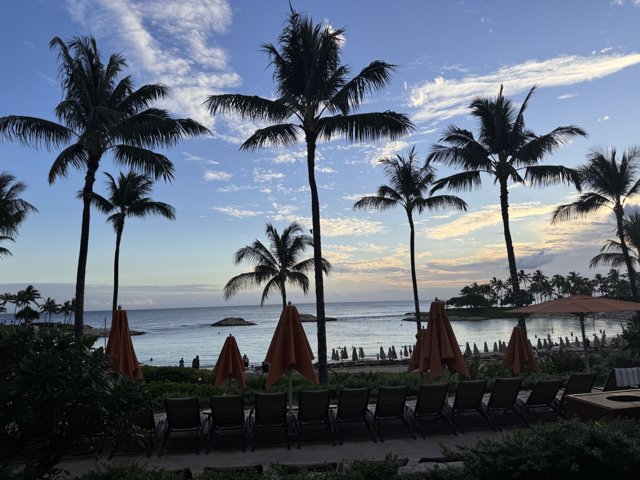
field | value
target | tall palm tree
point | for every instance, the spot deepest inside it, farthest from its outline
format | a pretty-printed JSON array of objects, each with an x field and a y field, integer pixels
[
  {"x": 128, "y": 197},
  {"x": 408, "y": 188},
  {"x": 23, "y": 300},
  {"x": 611, "y": 183},
  {"x": 611, "y": 252},
  {"x": 100, "y": 113},
  {"x": 13, "y": 209},
  {"x": 508, "y": 152},
  {"x": 49, "y": 307},
  {"x": 316, "y": 100},
  {"x": 277, "y": 265}
]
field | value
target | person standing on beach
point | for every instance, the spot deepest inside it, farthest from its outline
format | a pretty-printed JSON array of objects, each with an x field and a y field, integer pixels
[
  {"x": 181, "y": 362},
  {"x": 195, "y": 364}
]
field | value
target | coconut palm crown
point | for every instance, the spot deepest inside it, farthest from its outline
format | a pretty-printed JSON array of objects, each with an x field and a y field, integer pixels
[
  {"x": 101, "y": 112},
  {"x": 13, "y": 209},
  {"x": 611, "y": 182},
  {"x": 128, "y": 197},
  {"x": 508, "y": 152},
  {"x": 276, "y": 265},
  {"x": 316, "y": 100},
  {"x": 409, "y": 188}
]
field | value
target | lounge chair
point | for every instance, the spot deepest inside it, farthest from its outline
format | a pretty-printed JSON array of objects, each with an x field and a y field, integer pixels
[
  {"x": 227, "y": 414},
  {"x": 353, "y": 407},
  {"x": 145, "y": 422},
  {"x": 313, "y": 409},
  {"x": 270, "y": 413},
  {"x": 504, "y": 397},
  {"x": 622, "y": 379},
  {"x": 432, "y": 403},
  {"x": 577, "y": 383},
  {"x": 391, "y": 406},
  {"x": 542, "y": 396},
  {"x": 183, "y": 415},
  {"x": 469, "y": 399}
]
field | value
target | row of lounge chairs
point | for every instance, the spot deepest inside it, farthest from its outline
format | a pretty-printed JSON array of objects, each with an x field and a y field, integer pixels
[{"x": 272, "y": 420}]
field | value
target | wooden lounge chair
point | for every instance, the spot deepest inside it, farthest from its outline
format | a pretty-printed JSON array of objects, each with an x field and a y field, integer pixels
[
  {"x": 631, "y": 380},
  {"x": 577, "y": 383},
  {"x": 504, "y": 397},
  {"x": 227, "y": 414},
  {"x": 469, "y": 399},
  {"x": 145, "y": 422},
  {"x": 183, "y": 415},
  {"x": 270, "y": 413},
  {"x": 313, "y": 409},
  {"x": 541, "y": 397},
  {"x": 432, "y": 403},
  {"x": 391, "y": 406},
  {"x": 353, "y": 407}
]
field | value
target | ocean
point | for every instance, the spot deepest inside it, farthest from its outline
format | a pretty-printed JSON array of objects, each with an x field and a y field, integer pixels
[{"x": 172, "y": 334}]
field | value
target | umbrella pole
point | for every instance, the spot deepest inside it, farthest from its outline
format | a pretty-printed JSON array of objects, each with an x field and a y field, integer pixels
[
  {"x": 290, "y": 389},
  {"x": 584, "y": 341}
]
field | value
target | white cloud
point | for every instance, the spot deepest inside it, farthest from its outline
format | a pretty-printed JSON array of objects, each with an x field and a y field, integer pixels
[
  {"x": 325, "y": 170},
  {"x": 167, "y": 42},
  {"x": 604, "y": 118},
  {"x": 189, "y": 157},
  {"x": 210, "y": 176},
  {"x": 389, "y": 149},
  {"x": 264, "y": 176},
  {"x": 566, "y": 96},
  {"x": 237, "y": 212},
  {"x": 441, "y": 98}
]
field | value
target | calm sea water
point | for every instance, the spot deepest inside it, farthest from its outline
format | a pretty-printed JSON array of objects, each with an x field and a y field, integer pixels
[{"x": 186, "y": 332}]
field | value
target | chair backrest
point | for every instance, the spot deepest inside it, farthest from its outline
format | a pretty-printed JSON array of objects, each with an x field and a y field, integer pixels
[
  {"x": 469, "y": 395},
  {"x": 579, "y": 383},
  {"x": 544, "y": 393},
  {"x": 313, "y": 405},
  {"x": 227, "y": 411},
  {"x": 430, "y": 399},
  {"x": 391, "y": 401},
  {"x": 611, "y": 383},
  {"x": 182, "y": 413},
  {"x": 143, "y": 418},
  {"x": 271, "y": 408},
  {"x": 353, "y": 404},
  {"x": 504, "y": 393}
]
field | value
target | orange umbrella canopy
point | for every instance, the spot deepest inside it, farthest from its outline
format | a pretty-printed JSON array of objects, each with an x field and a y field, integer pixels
[
  {"x": 229, "y": 364},
  {"x": 120, "y": 347},
  {"x": 519, "y": 353},
  {"x": 289, "y": 348},
  {"x": 578, "y": 304},
  {"x": 437, "y": 346}
]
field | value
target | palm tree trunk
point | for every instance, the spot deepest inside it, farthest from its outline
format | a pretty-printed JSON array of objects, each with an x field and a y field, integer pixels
[
  {"x": 89, "y": 180},
  {"x": 323, "y": 372},
  {"x": 414, "y": 280},
  {"x": 116, "y": 263},
  {"x": 511, "y": 256},
  {"x": 283, "y": 289},
  {"x": 619, "y": 211}
]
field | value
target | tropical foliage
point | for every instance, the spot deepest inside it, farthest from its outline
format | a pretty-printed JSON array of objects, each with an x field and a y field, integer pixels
[
  {"x": 101, "y": 112},
  {"x": 277, "y": 265},
  {"x": 13, "y": 209},
  {"x": 128, "y": 197},
  {"x": 316, "y": 100},
  {"x": 409, "y": 188},
  {"x": 509, "y": 153}
]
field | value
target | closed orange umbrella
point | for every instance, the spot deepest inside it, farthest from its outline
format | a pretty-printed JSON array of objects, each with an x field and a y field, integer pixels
[
  {"x": 437, "y": 346},
  {"x": 519, "y": 353},
  {"x": 290, "y": 349},
  {"x": 229, "y": 364},
  {"x": 120, "y": 347}
]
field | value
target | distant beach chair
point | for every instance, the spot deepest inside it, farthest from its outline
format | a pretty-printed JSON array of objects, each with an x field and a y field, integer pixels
[
  {"x": 183, "y": 415},
  {"x": 577, "y": 383},
  {"x": 144, "y": 421},
  {"x": 469, "y": 399},
  {"x": 227, "y": 414},
  {"x": 313, "y": 409},
  {"x": 391, "y": 405},
  {"x": 504, "y": 397},
  {"x": 353, "y": 407},
  {"x": 270, "y": 412},
  {"x": 542, "y": 396},
  {"x": 432, "y": 403}
]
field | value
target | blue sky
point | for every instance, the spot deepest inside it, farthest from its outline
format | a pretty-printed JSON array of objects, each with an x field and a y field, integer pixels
[{"x": 584, "y": 57}]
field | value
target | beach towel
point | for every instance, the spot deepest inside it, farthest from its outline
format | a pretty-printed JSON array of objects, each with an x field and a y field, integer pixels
[{"x": 626, "y": 377}]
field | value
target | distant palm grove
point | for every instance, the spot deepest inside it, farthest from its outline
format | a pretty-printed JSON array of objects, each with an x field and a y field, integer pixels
[{"x": 315, "y": 98}]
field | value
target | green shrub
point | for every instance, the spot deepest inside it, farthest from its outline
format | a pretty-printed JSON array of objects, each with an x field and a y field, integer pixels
[
  {"x": 563, "y": 362},
  {"x": 129, "y": 472},
  {"x": 178, "y": 375}
]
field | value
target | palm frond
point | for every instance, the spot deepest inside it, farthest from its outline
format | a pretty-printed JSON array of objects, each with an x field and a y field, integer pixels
[
  {"x": 463, "y": 181},
  {"x": 365, "y": 126},
  {"x": 72, "y": 157},
  {"x": 247, "y": 106},
  {"x": 614, "y": 260},
  {"x": 34, "y": 132},
  {"x": 146, "y": 161},
  {"x": 375, "y": 203},
  {"x": 283, "y": 134},
  {"x": 441, "y": 202},
  {"x": 272, "y": 285},
  {"x": 372, "y": 78},
  {"x": 146, "y": 207},
  {"x": 538, "y": 147},
  {"x": 545, "y": 175},
  {"x": 588, "y": 203},
  {"x": 298, "y": 279}
]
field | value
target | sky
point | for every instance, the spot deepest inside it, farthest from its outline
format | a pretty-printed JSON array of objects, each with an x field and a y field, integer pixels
[{"x": 584, "y": 57}]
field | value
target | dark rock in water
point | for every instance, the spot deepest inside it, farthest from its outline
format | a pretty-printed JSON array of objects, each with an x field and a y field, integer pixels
[
  {"x": 411, "y": 317},
  {"x": 100, "y": 331},
  {"x": 232, "y": 322},
  {"x": 307, "y": 317}
]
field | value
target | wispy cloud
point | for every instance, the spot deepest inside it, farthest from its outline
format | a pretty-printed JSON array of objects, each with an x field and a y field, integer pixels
[
  {"x": 190, "y": 157},
  {"x": 443, "y": 98},
  {"x": 567, "y": 96},
  {"x": 167, "y": 42},
  {"x": 237, "y": 212},
  {"x": 211, "y": 176},
  {"x": 604, "y": 118},
  {"x": 263, "y": 176}
]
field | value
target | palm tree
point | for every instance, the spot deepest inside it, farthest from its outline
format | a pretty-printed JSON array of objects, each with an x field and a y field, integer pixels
[
  {"x": 67, "y": 309},
  {"x": 277, "y": 265},
  {"x": 23, "y": 300},
  {"x": 49, "y": 307},
  {"x": 128, "y": 197},
  {"x": 611, "y": 252},
  {"x": 316, "y": 100},
  {"x": 13, "y": 209},
  {"x": 409, "y": 185},
  {"x": 100, "y": 113},
  {"x": 504, "y": 149},
  {"x": 611, "y": 184}
]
